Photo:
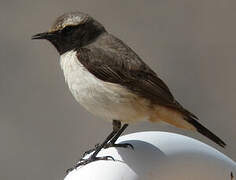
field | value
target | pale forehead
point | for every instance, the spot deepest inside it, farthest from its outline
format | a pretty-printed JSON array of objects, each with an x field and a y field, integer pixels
[{"x": 74, "y": 18}]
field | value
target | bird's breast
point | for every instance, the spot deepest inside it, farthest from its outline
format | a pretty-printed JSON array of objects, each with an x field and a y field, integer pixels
[{"x": 104, "y": 99}]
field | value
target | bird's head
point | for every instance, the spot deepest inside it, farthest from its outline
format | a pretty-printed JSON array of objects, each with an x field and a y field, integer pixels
[{"x": 72, "y": 30}]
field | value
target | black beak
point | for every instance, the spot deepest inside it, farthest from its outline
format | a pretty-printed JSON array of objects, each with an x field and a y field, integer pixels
[{"x": 44, "y": 35}]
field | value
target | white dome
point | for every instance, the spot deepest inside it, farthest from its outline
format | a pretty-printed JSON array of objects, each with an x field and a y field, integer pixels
[{"x": 158, "y": 156}]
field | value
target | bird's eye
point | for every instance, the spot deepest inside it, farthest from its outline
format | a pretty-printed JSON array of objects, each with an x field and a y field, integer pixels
[{"x": 68, "y": 29}]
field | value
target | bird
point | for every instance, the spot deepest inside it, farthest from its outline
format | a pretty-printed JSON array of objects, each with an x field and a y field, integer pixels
[{"x": 112, "y": 82}]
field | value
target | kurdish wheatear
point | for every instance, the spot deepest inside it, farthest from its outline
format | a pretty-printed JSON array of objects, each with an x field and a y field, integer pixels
[{"x": 111, "y": 81}]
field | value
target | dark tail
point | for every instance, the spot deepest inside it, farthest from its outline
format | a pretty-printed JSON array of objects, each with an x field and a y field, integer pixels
[
  {"x": 204, "y": 131},
  {"x": 192, "y": 119}
]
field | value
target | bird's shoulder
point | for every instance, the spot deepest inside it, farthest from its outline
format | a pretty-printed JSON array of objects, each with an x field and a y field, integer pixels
[
  {"x": 108, "y": 50},
  {"x": 111, "y": 60}
]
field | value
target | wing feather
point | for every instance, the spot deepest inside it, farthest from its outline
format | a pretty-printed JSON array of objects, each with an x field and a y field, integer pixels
[{"x": 117, "y": 63}]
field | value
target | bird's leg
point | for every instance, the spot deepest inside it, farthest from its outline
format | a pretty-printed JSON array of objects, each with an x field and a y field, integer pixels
[
  {"x": 90, "y": 150},
  {"x": 113, "y": 140},
  {"x": 116, "y": 127}
]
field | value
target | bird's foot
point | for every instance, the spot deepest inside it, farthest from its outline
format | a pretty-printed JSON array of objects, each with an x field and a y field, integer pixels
[
  {"x": 108, "y": 145},
  {"x": 83, "y": 162},
  {"x": 92, "y": 159},
  {"x": 90, "y": 151},
  {"x": 123, "y": 145}
]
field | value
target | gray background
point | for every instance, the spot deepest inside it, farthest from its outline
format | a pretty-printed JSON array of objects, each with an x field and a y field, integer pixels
[{"x": 43, "y": 131}]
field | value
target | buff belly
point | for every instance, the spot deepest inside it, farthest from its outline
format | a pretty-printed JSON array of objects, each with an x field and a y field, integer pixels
[
  {"x": 106, "y": 100},
  {"x": 112, "y": 101}
]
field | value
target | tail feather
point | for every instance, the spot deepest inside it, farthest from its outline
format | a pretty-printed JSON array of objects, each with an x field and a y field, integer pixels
[
  {"x": 182, "y": 118},
  {"x": 192, "y": 119},
  {"x": 204, "y": 131}
]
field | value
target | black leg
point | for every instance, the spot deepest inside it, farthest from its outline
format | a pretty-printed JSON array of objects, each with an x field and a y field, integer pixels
[
  {"x": 98, "y": 149},
  {"x": 116, "y": 127},
  {"x": 114, "y": 139}
]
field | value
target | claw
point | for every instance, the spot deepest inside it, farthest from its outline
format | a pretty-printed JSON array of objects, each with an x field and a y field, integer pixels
[
  {"x": 109, "y": 142},
  {"x": 106, "y": 158},
  {"x": 69, "y": 170},
  {"x": 90, "y": 150},
  {"x": 128, "y": 145},
  {"x": 87, "y": 161},
  {"x": 124, "y": 145}
]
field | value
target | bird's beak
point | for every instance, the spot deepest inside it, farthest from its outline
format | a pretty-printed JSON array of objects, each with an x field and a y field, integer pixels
[{"x": 44, "y": 35}]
